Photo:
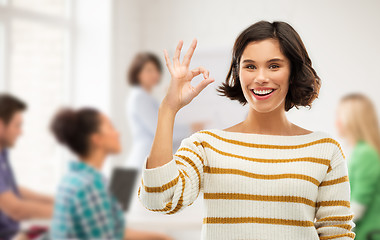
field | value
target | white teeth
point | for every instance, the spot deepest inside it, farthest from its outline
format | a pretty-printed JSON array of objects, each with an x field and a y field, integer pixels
[{"x": 262, "y": 92}]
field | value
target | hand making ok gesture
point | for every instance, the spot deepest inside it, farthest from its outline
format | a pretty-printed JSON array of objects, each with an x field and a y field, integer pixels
[{"x": 181, "y": 92}]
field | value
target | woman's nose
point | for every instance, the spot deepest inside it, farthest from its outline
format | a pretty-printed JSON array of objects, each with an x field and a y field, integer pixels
[{"x": 261, "y": 77}]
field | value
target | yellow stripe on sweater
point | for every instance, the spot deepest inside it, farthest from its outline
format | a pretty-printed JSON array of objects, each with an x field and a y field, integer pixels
[
  {"x": 192, "y": 164},
  {"x": 350, "y": 235},
  {"x": 336, "y": 218},
  {"x": 166, "y": 208},
  {"x": 266, "y": 198},
  {"x": 269, "y": 146},
  {"x": 213, "y": 170},
  {"x": 345, "y": 226},
  {"x": 189, "y": 150},
  {"x": 263, "y": 160},
  {"x": 333, "y": 203},
  {"x": 180, "y": 200},
  {"x": 238, "y": 220},
  {"x": 162, "y": 188},
  {"x": 180, "y": 163},
  {"x": 169, "y": 204},
  {"x": 334, "y": 181}
]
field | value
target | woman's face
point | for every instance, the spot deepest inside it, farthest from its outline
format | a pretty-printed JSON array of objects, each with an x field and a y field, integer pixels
[
  {"x": 149, "y": 75},
  {"x": 107, "y": 137},
  {"x": 264, "y": 75}
]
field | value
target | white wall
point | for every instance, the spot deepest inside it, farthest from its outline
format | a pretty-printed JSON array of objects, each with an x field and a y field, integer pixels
[{"x": 92, "y": 54}]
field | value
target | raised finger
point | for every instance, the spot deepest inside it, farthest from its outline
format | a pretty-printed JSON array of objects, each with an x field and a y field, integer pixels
[
  {"x": 177, "y": 54},
  {"x": 189, "y": 53},
  {"x": 167, "y": 60}
]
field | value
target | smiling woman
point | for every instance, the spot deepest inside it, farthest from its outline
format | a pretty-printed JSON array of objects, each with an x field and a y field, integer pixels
[
  {"x": 282, "y": 55},
  {"x": 265, "y": 177}
]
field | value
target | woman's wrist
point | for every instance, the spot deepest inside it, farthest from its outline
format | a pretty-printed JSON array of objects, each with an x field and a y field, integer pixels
[{"x": 168, "y": 108}]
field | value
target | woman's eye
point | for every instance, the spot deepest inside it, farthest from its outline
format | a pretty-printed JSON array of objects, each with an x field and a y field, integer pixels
[
  {"x": 274, "y": 66},
  {"x": 250, "y": 67}
]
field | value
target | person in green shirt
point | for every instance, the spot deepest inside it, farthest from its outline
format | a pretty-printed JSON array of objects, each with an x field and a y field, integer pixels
[{"x": 357, "y": 123}]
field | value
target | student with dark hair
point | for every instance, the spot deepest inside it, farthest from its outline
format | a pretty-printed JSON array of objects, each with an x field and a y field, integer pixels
[
  {"x": 16, "y": 203},
  {"x": 142, "y": 108},
  {"x": 265, "y": 177},
  {"x": 84, "y": 208}
]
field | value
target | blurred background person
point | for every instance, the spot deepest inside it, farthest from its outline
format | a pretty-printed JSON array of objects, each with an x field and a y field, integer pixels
[
  {"x": 16, "y": 203},
  {"x": 357, "y": 123},
  {"x": 142, "y": 108},
  {"x": 85, "y": 209}
]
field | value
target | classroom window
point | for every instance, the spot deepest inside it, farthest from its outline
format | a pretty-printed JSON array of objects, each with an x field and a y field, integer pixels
[
  {"x": 38, "y": 48},
  {"x": 49, "y": 7}
]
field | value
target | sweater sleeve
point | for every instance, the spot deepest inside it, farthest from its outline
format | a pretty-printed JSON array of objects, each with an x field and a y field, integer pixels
[
  {"x": 171, "y": 187},
  {"x": 333, "y": 212}
]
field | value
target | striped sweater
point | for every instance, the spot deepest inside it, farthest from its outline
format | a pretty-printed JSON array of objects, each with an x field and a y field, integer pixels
[{"x": 256, "y": 186}]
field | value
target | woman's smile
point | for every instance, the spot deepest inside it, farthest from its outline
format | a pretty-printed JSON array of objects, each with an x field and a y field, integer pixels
[{"x": 262, "y": 93}]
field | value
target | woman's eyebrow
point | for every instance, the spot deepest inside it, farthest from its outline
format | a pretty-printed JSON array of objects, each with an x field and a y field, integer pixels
[
  {"x": 271, "y": 60},
  {"x": 248, "y": 60},
  {"x": 276, "y": 60}
]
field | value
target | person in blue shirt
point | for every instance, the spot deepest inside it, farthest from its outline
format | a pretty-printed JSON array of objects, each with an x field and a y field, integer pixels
[
  {"x": 84, "y": 207},
  {"x": 17, "y": 203}
]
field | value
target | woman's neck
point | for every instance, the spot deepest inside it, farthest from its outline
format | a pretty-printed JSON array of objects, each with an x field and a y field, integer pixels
[
  {"x": 95, "y": 159},
  {"x": 272, "y": 123}
]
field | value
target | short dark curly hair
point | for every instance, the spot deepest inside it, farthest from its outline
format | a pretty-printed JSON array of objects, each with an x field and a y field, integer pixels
[{"x": 304, "y": 83}]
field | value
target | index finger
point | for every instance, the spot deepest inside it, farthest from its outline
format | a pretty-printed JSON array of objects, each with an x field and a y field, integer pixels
[{"x": 189, "y": 53}]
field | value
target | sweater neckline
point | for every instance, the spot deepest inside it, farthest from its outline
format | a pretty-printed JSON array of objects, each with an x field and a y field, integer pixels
[{"x": 266, "y": 136}]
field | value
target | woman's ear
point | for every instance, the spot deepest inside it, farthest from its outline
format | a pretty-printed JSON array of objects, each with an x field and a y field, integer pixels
[{"x": 96, "y": 140}]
